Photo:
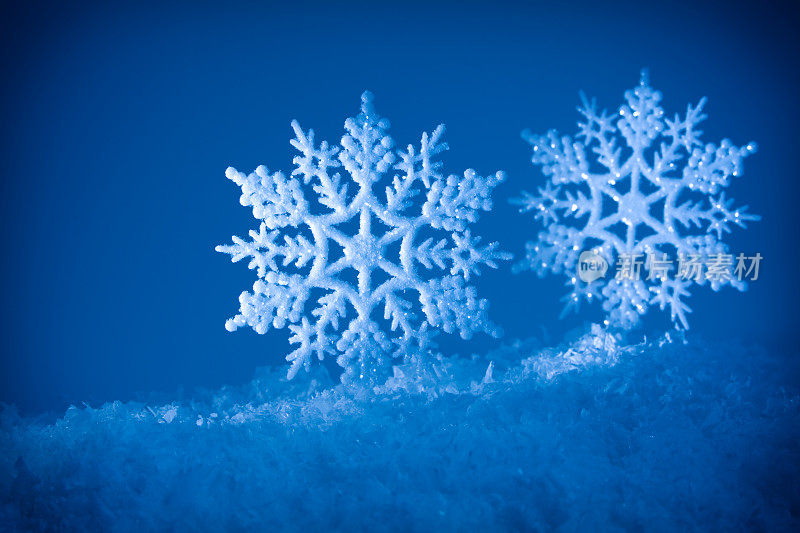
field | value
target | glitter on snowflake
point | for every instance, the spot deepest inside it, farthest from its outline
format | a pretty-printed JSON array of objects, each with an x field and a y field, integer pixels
[
  {"x": 651, "y": 188},
  {"x": 338, "y": 266}
]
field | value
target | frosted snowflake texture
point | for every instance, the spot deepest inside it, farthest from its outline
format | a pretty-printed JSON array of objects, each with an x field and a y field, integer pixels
[
  {"x": 633, "y": 184},
  {"x": 365, "y": 275}
]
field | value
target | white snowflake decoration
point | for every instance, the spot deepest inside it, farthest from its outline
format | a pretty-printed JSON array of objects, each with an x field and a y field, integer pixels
[
  {"x": 334, "y": 267},
  {"x": 661, "y": 192}
]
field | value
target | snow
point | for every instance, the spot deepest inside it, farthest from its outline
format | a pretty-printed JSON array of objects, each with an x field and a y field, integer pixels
[
  {"x": 420, "y": 288},
  {"x": 636, "y": 185},
  {"x": 595, "y": 434}
]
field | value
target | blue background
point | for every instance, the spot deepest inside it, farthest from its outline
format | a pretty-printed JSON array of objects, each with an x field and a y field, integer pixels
[{"x": 118, "y": 123}]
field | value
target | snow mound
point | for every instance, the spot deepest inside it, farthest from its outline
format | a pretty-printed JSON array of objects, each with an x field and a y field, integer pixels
[{"x": 593, "y": 434}]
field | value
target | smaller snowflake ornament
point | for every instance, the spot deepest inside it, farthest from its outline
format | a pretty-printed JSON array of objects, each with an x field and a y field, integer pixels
[
  {"x": 634, "y": 209},
  {"x": 364, "y": 251}
]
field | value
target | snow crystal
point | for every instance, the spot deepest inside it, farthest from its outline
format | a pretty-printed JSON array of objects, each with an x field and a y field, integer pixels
[
  {"x": 424, "y": 214},
  {"x": 653, "y": 190}
]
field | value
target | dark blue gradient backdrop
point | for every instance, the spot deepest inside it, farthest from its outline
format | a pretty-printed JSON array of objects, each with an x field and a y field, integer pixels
[{"x": 118, "y": 122}]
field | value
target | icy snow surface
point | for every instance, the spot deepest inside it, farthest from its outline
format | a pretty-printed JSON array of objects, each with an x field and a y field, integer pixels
[{"x": 590, "y": 435}]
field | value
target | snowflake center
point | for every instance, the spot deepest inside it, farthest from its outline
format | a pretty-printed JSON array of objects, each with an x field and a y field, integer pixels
[
  {"x": 633, "y": 207},
  {"x": 363, "y": 249}
]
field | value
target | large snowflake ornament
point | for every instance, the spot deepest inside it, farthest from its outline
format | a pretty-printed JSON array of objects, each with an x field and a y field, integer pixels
[
  {"x": 364, "y": 251},
  {"x": 640, "y": 188}
]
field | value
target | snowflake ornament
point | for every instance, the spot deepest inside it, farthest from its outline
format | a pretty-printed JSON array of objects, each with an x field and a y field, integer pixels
[
  {"x": 364, "y": 251},
  {"x": 638, "y": 190}
]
